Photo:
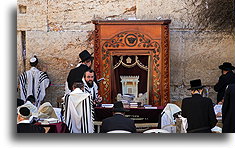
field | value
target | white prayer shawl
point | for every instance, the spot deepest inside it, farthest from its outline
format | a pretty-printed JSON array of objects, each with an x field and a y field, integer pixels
[
  {"x": 93, "y": 91},
  {"x": 78, "y": 113},
  {"x": 167, "y": 119},
  {"x": 34, "y": 82}
]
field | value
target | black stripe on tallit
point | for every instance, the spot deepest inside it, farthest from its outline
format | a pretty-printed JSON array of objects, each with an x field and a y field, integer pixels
[
  {"x": 42, "y": 77},
  {"x": 92, "y": 110},
  {"x": 87, "y": 90},
  {"x": 82, "y": 120},
  {"x": 23, "y": 82},
  {"x": 70, "y": 124},
  {"x": 86, "y": 110},
  {"x": 66, "y": 106},
  {"x": 38, "y": 92},
  {"x": 85, "y": 122},
  {"x": 65, "y": 113}
]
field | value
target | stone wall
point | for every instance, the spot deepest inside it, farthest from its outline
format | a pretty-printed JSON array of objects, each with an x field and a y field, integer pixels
[{"x": 57, "y": 31}]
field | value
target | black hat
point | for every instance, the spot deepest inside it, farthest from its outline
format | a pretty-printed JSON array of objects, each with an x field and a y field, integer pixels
[
  {"x": 196, "y": 84},
  {"x": 226, "y": 66},
  {"x": 118, "y": 107},
  {"x": 85, "y": 55}
]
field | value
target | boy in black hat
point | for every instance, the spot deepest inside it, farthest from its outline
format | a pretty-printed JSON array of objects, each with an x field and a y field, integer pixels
[
  {"x": 198, "y": 110},
  {"x": 227, "y": 77},
  {"x": 118, "y": 121}
]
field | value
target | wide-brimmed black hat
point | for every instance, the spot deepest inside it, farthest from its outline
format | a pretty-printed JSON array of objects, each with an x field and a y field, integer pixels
[
  {"x": 85, "y": 55},
  {"x": 196, "y": 84},
  {"x": 226, "y": 66},
  {"x": 118, "y": 107}
]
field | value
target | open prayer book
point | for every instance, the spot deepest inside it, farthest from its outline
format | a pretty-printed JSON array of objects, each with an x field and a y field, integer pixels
[{"x": 49, "y": 121}]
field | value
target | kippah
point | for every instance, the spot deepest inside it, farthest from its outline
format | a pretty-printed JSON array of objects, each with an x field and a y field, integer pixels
[
  {"x": 32, "y": 60},
  {"x": 24, "y": 111}
]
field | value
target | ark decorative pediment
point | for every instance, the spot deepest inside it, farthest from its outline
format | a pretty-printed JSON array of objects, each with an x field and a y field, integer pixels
[{"x": 131, "y": 40}]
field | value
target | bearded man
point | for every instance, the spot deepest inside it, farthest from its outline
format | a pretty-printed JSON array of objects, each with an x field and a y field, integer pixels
[{"x": 91, "y": 86}]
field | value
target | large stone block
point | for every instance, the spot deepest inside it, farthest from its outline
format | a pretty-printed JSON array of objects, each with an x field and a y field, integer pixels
[
  {"x": 34, "y": 16},
  {"x": 176, "y": 57},
  {"x": 204, "y": 52},
  {"x": 180, "y": 12},
  {"x": 77, "y": 15}
]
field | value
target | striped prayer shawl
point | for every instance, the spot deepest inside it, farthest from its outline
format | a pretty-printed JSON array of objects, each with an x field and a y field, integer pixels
[
  {"x": 33, "y": 82},
  {"x": 93, "y": 91},
  {"x": 78, "y": 112}
]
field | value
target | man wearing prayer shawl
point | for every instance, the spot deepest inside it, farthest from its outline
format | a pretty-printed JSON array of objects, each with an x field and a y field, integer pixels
[
  {"x": 91, "y": 87},
  {"x": 23, "y": 122},
  {"x": 168, "y": 121},
  {"x": 34, "y": 82},
  {"x": 78, "y": 110}
]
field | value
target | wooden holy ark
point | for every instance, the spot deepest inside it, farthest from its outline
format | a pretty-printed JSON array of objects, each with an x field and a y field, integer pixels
[{"x": 134, "y": 38}]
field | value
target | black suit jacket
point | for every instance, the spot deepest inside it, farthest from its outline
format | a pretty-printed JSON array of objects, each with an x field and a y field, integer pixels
[
  {"x": 199, "y": 112},
  {"x": 224, "y": 80},
  {"x": 228, "y": 110},
  {"x": 118, "y": 122},
  {"x": 76, "y": 74},
  {"x": 29, "y": 128}
]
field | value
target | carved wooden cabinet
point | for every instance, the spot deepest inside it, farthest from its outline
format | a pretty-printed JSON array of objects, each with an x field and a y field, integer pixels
[{"x": 141, "y": 47}]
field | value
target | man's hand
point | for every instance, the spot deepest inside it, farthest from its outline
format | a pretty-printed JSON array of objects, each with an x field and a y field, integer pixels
[{"x": 99, "y": 99}]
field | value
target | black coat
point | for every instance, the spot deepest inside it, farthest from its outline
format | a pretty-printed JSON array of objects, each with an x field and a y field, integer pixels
[
  {"x": 228, "y": 110},
  {"x": 118, "y": 122},
  {"x": 29, "y": 128},
  {"x": 76, "y": 74},
  {"x": 200, "y": 113},
  {"x": 224, "y": 80}
]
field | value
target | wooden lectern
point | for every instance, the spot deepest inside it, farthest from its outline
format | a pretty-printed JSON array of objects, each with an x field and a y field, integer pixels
[{"x": 141, "y": 47}]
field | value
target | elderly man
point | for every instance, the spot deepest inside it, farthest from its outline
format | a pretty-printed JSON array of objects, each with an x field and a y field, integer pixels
[
  {"x": 78, "y": 110},
  {"x": 227, "y": 77},
  {"x": 24, "y": 125},
  {"x": 34, "y": 82},
  {"x": 198, "y": 110},
  {"x": 91, "y": 86}
]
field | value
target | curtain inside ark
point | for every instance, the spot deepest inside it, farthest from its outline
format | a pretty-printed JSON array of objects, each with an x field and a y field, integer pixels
[{"x": 129, "y": 66}]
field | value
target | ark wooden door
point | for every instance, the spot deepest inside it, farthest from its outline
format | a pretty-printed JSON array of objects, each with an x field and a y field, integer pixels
[{"x": 142, "y": 48}]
